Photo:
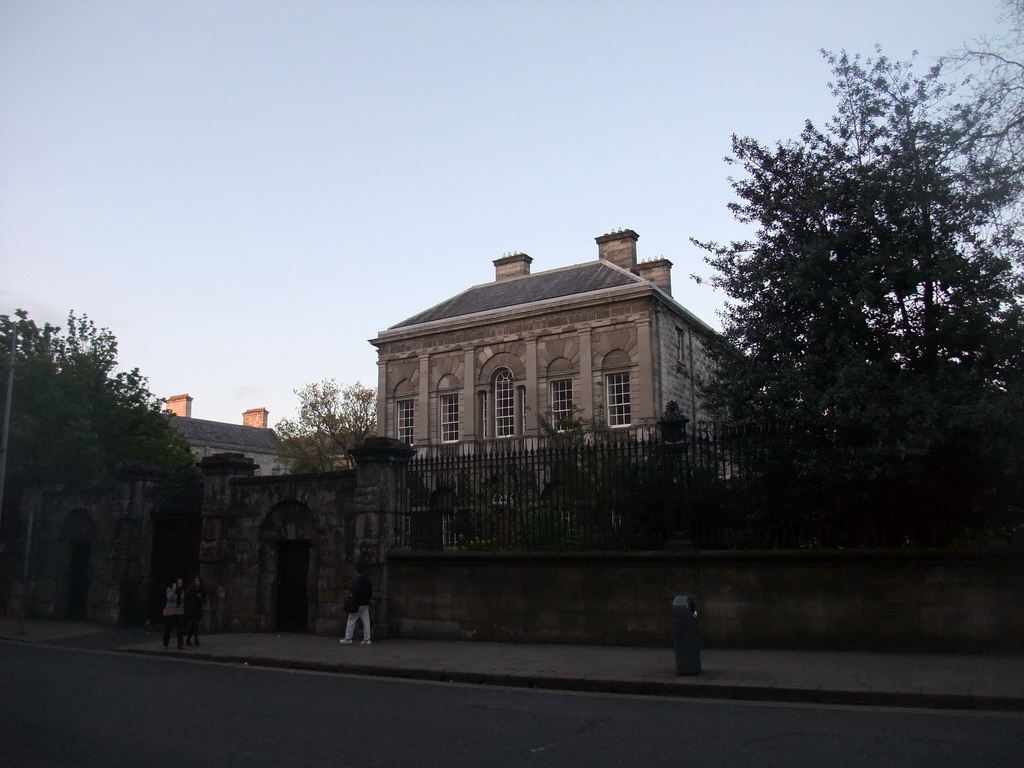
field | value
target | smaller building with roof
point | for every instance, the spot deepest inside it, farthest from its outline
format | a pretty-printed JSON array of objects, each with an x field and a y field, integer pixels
[
  {"x": 252, "y": 438},
  {"x": 603, "y": 341}
]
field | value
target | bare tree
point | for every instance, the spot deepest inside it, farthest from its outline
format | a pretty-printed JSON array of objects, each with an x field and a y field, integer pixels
[
  {"x": 331, "y": 420},
  {"x": 996, "y": 69}
]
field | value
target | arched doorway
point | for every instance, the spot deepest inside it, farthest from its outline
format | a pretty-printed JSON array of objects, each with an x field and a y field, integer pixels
[
  {"x": 77, "y": 535},
  {"x": 175, "y": 555},
  {"x": 292, "y": 614},
  {"x": 290, "y": 559}
]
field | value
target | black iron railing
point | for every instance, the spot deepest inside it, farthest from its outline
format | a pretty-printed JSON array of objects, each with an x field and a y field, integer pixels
[{"x": 720, "y": 488}]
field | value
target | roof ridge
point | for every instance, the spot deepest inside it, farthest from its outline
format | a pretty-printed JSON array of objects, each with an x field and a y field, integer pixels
[{"x": 559, "y": 282}]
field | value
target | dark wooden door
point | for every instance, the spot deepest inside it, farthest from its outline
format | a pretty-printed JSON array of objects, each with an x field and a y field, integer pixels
[
  {"x": 78, "y": 588},
  {"x": 175, "y": 555},
  {"x": 293, "y": 586}
]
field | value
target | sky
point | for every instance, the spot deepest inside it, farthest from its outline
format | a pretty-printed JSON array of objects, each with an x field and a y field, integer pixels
[{"x": 245, "y": 191}]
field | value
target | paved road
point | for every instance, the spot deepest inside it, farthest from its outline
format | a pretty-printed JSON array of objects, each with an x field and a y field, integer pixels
[
  {"x": 884, "y": 679},
  {"x": 75, "y": 707}
]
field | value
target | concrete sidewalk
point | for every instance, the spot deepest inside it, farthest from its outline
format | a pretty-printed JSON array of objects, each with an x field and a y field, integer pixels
[{"x": 905, "y": 680}]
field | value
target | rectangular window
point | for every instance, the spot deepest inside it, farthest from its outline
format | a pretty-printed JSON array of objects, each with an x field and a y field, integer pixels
[
  {"x": 448, "y": 537},
  {"x": 521, "y": 410},
  {"x": 449, "y": 418},
  {"x": 483, "y": 410},
  {"x": 680, "y": 344},
  {"x": 561, "y": 404},
  {"x": 404, "y": 421},
  {"x": 617, "y": 395}
]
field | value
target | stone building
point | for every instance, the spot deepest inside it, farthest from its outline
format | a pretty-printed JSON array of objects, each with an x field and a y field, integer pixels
[
  {"x": 603, "y": 340},
  {"x": 252, "y": 438}
]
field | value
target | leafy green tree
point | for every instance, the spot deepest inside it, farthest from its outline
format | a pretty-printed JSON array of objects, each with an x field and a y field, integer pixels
[
  {"x": 331, "y": 420},
  {"x": 878, "y": 305},
  {"x": 74, "y": 418}
]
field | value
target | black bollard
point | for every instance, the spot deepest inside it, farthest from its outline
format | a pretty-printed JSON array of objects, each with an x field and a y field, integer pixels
[{"x": 684, "y": 635}]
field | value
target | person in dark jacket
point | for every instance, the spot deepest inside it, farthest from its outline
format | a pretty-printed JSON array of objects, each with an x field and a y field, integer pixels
[
  {"x": 174, "y": 612},
  {"x": 359, "y": 595},
  {"x": 195, "y": 596}
]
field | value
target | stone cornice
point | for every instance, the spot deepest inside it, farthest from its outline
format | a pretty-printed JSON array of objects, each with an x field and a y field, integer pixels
[{"x": 521, "y": 312}]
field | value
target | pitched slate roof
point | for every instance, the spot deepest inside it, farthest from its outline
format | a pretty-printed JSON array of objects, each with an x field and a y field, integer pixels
[
  {"x": 221, "y": 434},
  {"x": 553, "y": 284}
]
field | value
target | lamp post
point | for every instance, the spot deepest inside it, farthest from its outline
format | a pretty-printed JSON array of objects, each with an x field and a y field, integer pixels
[
  {"x": 673, "y": 434},
  {"x": 4, "y": 436}
]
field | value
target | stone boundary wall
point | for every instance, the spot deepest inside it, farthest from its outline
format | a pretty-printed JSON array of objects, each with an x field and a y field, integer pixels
[
  {"x": 891, "y": 600},
  {"x": 112, "y": 527},
  {"x": 245, "y": 519}
]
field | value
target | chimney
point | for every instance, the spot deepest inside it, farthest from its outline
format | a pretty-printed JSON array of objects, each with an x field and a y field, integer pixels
[
  {"x": 255, "y": 417},
  {"x": 659, "y": 272},
  {"x": 619, "y": 248},
  {"x": 513, "y": 265},
  {"x": 179, "y": 405}
]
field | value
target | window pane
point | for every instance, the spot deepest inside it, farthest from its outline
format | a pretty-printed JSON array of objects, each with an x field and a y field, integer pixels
[
  {"x": 521, "y": 410},
  {"x": 617, "y": 393},
  {"x": 449, "y": 418},
  {"x": 561, "y": 404},
  {"x": 504, "y": 404},
  {"x": 483, "y": 411},
  {"x": 404, "y": 420}
]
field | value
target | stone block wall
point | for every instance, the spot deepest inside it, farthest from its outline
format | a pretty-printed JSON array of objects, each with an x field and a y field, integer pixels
[
  {"x": 674, "y": 378},
  {"x": 882, "y": 600},
  {"x": 344, "y": 518},
  {"x": 239, "y": 549},
  {"x": 87, "y": 553}
]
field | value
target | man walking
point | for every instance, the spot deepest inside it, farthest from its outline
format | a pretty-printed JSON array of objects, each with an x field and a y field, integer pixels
[{"x": 358, "y": 606}]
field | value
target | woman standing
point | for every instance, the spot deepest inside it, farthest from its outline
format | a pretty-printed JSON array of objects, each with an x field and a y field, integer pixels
[
  {"x": 194, "y": 599},
  {"x": 174, "y": 611}
]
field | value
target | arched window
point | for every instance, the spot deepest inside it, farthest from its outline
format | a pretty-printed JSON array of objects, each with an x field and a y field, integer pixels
[{"x": 503, "y": 389}]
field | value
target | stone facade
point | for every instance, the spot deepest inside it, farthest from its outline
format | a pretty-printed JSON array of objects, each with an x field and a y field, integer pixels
[{"x": 487, "y": 363}]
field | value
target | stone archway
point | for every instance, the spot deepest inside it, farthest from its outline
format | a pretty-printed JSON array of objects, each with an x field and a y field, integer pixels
[
  {"x": 289, "y": 568},
  {"x": 77, "y": 536}
]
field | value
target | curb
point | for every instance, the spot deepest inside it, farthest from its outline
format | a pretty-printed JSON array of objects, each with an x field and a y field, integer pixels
[{"x": 771, "y": 693}]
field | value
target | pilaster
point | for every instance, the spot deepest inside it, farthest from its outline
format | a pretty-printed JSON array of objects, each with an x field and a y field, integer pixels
[
  {"x": 225, "y": 570},
  {"x": 469, "y": 426},
  {"x": 588, "y": 376},
  {"x": 382, "y": 398},
  {"x": 421, "y": 422},
  {"x": 532, "y": 396},
  {"x": 378, "y": 515},
  {"x": 644, "y": 407}
]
